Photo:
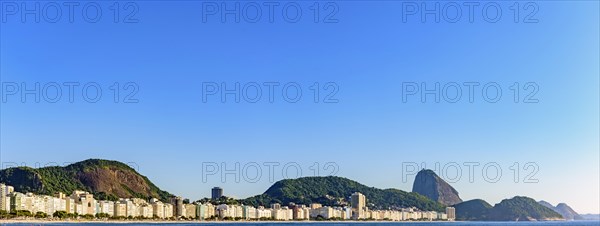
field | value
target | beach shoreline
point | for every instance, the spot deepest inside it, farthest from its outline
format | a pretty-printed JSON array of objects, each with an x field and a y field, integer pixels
[{"x": 40, "y": 221}]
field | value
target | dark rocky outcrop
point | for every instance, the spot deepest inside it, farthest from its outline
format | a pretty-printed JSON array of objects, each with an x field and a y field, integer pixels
[
  {"x": 472, "y": 210},
  {"x": 429, "y": 184}
]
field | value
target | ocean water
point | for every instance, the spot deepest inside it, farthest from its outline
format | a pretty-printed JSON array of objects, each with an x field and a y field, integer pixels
[{"x": 546, "y": 223}]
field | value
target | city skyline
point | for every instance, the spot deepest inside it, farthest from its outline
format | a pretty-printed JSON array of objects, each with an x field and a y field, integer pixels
[
  {"x": 83, "y": 204},
  {"x": 216, "y": 192}
]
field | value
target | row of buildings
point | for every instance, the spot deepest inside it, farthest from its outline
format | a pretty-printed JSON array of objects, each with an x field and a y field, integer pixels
[
  {"x": 359, "y": 210},
  {"x": 83, "y": 203}
]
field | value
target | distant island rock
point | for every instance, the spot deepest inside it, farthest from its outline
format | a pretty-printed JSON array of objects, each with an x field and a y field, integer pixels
[
  {"x": 472, "y": 210},
  {"x": 429, "y": 184},
  {"x": 522, "y": 208},
  {"x": 519, "y": 208},
  {"x": 564, "y": 210}
]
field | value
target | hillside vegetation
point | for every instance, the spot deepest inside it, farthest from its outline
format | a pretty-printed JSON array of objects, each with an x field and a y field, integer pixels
[
  {"x": 104, "y": 178},
  {"x": 336, "y": 191}
]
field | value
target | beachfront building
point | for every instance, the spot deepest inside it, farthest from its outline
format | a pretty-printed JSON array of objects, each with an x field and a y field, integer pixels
[
  {"x": 328, "y": 212},
  {"x": 177, "y": 203},
  {"x": 229, "y": 211},
  {"x": 19, "y": 201},
  {"x": 120, "y": 208},
  {"x": 5, "y": 191},
  {"x": 190, "y": 211},
  {"x": 249, "y": 212},
  {"x": 263, "y": 213},
  {"x": 158, "y": 208},
  {"x": 83, "y": 203},
  {"x": 300, "y": 212},
  {"x": 206, "y": 211},
  {"x": 106, "y": 207},
  {"x": 283, "y": 214},
  {"x": 442, "y": 216},
  {"x": 359, "y": 205}
]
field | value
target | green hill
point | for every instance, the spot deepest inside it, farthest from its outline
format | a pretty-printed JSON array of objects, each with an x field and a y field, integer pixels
[
  {"x": 522, "y": 208},
  {"x": 335, "y": 191},
  {"x": 475, "y": 209},
  {"x": 516, "y": 209},
  {"x": 104, "y": 178}
]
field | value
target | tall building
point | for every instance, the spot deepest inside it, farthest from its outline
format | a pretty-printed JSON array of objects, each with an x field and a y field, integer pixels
[
  {"x": 168, "y": 210},
  {"x": 450, "y": 213},
  {"x": 177, "y": 206},
  {"x": 145, "y": 211},
  {"x": 130, "y": 208},
  {"x": 107, "y": 207},
  {"x": 5, "y": 190},
  {"x": 70, "y": 205},
  {"x": 217, "y": 193},
  {"x": 158, "y": 208},
  {"x": 190, "y": 211},
  {"x": 20, "y": 201},
  {"x": 359, "y": 204},
  {"x": 120, "y": 208}
]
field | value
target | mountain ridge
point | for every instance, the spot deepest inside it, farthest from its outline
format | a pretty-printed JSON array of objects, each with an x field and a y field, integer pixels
[
  {"x": 109, "y": 180},
  {"x": 518, "y": 208},
  {"x": 333, "y": 190}
]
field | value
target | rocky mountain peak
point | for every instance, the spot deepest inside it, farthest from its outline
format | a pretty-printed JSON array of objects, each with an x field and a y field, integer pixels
[{"x": 429, "y": 184}]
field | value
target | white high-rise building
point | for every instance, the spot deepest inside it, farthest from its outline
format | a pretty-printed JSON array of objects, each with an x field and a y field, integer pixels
[
  {"x": 261, "y": 212},
  {"x": 145, "y": 211},
  {"x": 283, "y": 214},
  {"x": 120, "y": 208},
  {"x": 158, "y": 208},
  {"x": 206, "y": 211},
  {"x": 5, "y": 191},
  {"x": 224, "y": 211},
  {"x": 190, "y": 210},
  {"x": 107, "y": 207},
  {"x": 168, "y": 210},
  {"x": 132, "y": 210},
  {"x": 20, "y": 201},
  {"x": 53, "y": 204},
  {"x": 70, "y": 205},
  {"x": 359, "y": 204}
]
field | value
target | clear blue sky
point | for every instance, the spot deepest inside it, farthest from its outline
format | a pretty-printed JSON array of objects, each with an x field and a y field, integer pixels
[{"x": 368, "y": 53}]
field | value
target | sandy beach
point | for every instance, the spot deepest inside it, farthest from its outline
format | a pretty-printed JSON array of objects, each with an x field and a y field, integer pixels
[{"x": 39, "y": 221}]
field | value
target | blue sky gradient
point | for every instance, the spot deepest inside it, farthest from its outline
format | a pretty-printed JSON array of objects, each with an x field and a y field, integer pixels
[{"x": 368, "y": 53}]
